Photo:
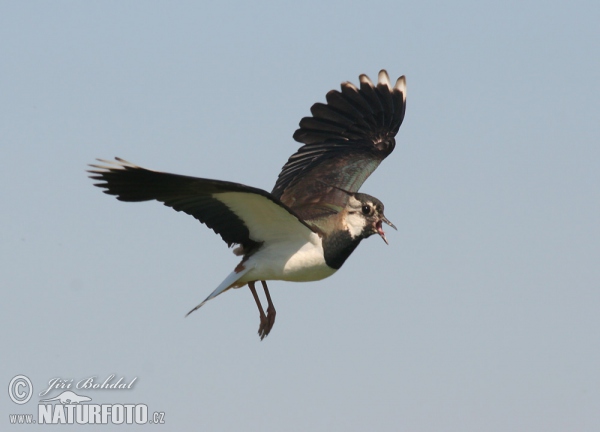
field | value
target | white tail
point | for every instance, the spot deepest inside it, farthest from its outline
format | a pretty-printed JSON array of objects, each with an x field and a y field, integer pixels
[{"x": 224, "y": 286}]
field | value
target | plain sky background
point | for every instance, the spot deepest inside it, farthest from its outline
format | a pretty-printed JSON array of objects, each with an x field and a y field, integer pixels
[{"x": 483, "y": 313}]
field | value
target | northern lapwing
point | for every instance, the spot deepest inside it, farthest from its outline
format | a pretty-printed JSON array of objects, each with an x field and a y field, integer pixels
[{"x": 306, "y": 228}]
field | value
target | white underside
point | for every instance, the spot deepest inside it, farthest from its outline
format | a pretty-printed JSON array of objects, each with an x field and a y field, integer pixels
[
  {"x": 290, "y": 250},
  {"x": 299, "y": 261},
  {"x": 294, "y": 259}
]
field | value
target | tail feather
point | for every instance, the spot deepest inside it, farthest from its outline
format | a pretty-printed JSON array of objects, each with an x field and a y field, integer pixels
[{"x": 224, "y": 286}]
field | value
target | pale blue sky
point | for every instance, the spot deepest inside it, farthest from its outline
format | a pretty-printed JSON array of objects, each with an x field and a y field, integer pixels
[{"x": 481, "y": 314}]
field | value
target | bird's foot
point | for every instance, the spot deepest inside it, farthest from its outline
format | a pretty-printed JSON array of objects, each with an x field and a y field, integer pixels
[{"x": 266, "y": 322}]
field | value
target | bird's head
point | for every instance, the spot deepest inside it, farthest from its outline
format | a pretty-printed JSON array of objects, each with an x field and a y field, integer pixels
[{"x": 365, "y": 216}]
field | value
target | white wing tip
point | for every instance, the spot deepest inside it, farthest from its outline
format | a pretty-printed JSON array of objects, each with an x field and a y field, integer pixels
[
  {"x": 384, "y": 79},
  {"x": 348, "y": 84},
  {"x": 364, "y": 79},
  {"x": 401, "y": 85}
]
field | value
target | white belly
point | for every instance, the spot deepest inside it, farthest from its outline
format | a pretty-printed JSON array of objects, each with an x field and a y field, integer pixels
[{"x": 300, "y": 261}]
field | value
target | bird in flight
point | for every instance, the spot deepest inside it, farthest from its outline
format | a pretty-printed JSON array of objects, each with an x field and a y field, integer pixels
[{"x": 314, "y": 218}]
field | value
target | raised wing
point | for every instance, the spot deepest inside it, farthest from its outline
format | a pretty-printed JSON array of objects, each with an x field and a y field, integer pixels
[
  {"x": 344, "y": 142},
  {"x": 239, "y": 214}
]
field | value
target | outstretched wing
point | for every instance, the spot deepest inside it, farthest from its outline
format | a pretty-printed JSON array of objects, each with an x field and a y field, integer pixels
[
  {"x": 344, "y": 142},
  {"x": 239, "y": 214}
]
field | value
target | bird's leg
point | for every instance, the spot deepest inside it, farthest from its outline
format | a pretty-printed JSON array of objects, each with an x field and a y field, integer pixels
[
  {"x": 263, "y": 318},
  {"x": 270, "y": 309}
]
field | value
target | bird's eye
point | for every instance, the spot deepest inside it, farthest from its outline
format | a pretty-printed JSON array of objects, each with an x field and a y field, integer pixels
[{"x": 366, "y": 209}]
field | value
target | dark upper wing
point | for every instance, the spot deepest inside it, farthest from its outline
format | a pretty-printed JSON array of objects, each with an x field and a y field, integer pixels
[
  {"x": 344, "y": 142},
  {"x": 238, "y": 213}
]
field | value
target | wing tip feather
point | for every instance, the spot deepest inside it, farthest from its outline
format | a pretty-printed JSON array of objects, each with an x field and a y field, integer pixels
[
  {"x": 401, "y": 86},
  {"x": 365, "y": 80},
  {"x": 384, "y": 79}
]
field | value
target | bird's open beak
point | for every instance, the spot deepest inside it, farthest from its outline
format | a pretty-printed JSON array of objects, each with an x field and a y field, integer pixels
[{"x": 380, "y": 229}]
